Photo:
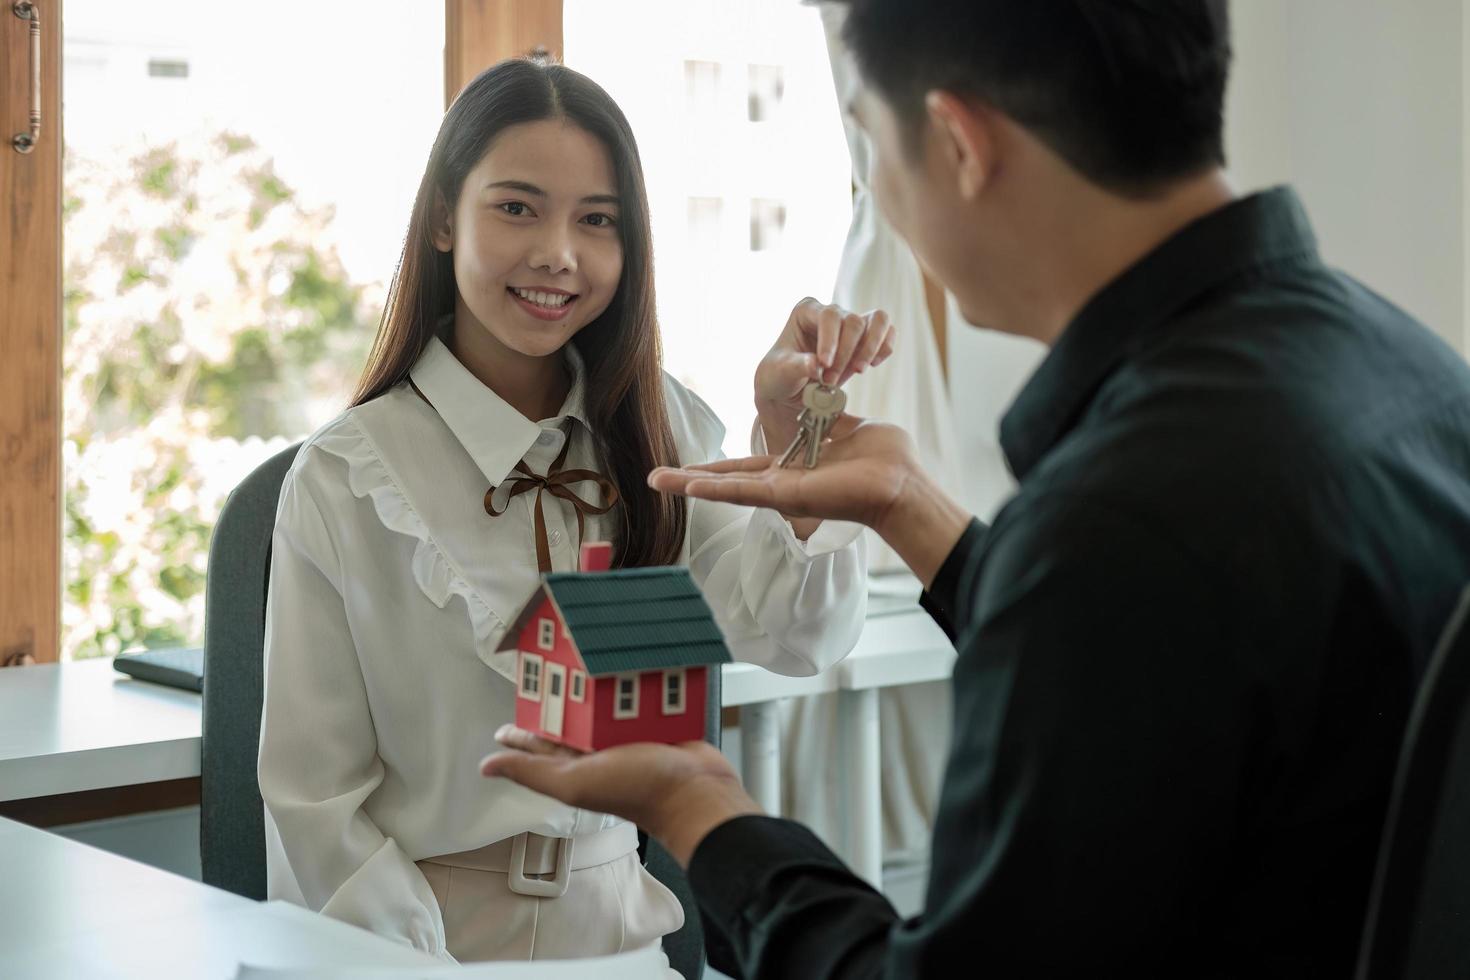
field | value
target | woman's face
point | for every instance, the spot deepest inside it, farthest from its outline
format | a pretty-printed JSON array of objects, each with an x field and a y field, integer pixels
[{"x": 534, "y": 235}]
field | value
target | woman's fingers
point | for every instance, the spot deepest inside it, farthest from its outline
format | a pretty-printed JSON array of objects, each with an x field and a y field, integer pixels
[
  {"x": 854, "y": 328},
  {"x": 829, "y": 335}
]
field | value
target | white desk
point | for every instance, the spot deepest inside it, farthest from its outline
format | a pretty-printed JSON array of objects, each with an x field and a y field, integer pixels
[
  {"x": 67, "y": 728},
  {"x": 895, "y": 649},
  {"x": 74, "y": 911}
]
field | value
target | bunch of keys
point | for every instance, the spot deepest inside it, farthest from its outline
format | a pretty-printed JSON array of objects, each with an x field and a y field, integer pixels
[{"x": 823, "y": 404}]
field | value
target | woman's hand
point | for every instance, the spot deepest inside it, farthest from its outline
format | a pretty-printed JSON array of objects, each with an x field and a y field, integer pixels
[
  {"x": 678, "y": 793},
  {"x": 819, "y": 343}
]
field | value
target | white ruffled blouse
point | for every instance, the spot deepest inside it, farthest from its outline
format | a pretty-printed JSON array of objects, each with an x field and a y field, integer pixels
[{"x": 391, "y": 587}]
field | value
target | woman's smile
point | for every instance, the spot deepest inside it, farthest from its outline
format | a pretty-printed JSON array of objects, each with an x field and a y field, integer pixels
[{"x": 543, "y": 304}]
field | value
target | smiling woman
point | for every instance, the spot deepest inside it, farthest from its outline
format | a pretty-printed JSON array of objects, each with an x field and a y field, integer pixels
[
  {"x": 518, "y": 352},
  {"x": 516, "y": 124}
]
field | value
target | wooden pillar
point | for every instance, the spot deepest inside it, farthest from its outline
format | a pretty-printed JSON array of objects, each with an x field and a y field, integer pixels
[
  {"x": 478, "y": 33},
  {"x": 30, "y": 341}
]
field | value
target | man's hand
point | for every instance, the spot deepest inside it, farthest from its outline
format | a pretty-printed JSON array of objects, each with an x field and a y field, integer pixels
[
  {"x": 864, "y": 469},
  {"x": 868, "y": 473},
  {"x": 678, "y": 793}
]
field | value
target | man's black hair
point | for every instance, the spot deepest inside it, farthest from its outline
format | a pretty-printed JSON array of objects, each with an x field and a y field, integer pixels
[{"x": 1131, "y": 93}]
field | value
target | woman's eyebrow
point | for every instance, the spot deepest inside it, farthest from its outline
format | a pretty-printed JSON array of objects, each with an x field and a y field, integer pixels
[
  {"x": 528, "y": 188},
  {"x": 517, "y": 185}
]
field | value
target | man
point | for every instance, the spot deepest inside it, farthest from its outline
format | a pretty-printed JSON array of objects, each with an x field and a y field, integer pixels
[{"x": 1187, "y": 647}]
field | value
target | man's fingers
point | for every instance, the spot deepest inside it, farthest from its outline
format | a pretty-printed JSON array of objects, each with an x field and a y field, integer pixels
[
  {"x": 734, "y": 488},
  {"x": 518, "y": 738},
  {"x": 673, "y": 479},
  {"x": 545, "y": 774}
]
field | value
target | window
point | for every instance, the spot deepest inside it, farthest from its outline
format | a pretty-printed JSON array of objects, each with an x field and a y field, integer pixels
[
  {"x": 701, "y": 86},
  {"x": 767, "y": 222},
  {"x": 531, "y": 676},
  {"x": 767, "y": 84},
  {"x": 704, "y": 223},
  {"x": 547, "y": 639},
  {"x": 626, "y": 704},
  {"x": 167, "y": 68},
  {"x": 673, "y": 692},
  {"x": 224, "y": 267},
  {"x": 579, "y": 685}
]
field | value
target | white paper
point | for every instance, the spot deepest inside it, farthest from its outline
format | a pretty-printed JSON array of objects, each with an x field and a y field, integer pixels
[{"x": 646, "y": 964}]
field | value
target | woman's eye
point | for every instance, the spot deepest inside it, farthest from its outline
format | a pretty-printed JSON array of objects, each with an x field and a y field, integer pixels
[
  {"x": 515, "y": 208},
  {"x": 600, "y": 220}
]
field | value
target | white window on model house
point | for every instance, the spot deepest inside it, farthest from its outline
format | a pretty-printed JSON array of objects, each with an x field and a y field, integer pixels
[
  {"x": 625, "y": 697},
  {"x": 531, "y": 676},
  {"x": 674, "y": 692},
  {"x": 579, "y": 685},
  {"x": 547, "y": 639}
]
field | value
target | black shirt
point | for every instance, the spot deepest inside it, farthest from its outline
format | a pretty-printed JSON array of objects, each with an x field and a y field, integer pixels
[{"x": 1187, "y": 647}]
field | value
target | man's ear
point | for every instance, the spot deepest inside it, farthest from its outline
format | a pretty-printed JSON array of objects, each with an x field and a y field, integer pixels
[
  {"x": 966, "y": 140},
  {"x": 441, "y": 223}
]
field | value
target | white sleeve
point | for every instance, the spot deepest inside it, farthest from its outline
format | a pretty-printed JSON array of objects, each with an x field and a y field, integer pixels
[
  {"x": 794, "y": 607},
  {"x": 318, "y": 748}
]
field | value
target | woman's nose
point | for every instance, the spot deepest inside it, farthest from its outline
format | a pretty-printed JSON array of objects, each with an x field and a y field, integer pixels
[{"x": 554, "y": 252}]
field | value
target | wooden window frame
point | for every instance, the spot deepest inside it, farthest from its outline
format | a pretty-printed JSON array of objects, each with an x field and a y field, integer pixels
[
  {"x": 577, "y": 686},
  {"x": 30, "y": 337}
]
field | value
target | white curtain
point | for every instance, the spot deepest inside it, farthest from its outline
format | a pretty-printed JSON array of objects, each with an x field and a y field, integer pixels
[{"x": 956, "y": 437}]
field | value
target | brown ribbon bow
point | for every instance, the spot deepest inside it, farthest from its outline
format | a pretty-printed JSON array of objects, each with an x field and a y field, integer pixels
[{"x": 556, "y": 482}]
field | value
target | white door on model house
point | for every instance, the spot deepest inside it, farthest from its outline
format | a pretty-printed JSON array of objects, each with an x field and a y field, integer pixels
[{"x": 555, "y": 699}]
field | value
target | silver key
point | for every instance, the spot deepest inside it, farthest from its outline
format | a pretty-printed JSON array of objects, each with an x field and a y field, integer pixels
[{"x": 823, "y": 405}]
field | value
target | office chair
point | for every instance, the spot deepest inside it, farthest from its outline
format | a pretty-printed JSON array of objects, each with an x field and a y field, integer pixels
[{"x": 1418, "y": 925}]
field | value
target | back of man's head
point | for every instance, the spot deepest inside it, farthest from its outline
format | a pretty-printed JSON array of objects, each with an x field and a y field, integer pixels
[{"x": 1130, "y": 93}]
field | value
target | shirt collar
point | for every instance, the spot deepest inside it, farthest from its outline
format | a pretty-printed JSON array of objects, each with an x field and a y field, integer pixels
[
  {"x": 496, "y": 436},
  {"x": 1248, "y": 233}
]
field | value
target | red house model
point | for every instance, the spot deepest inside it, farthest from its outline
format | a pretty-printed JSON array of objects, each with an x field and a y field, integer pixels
[{"x": 609, "y": 657}]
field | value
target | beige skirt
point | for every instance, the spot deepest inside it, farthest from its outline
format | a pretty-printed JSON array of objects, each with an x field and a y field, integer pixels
[{"x": 595, "y": 901}]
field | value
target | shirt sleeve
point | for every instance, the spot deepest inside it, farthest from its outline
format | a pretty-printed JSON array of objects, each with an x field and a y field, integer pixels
[
  {"x": 318, "y": 749},
  {"x": 1092, "y": 787},
  {"x": 794, "y": 607},
  {"x": 941, "y": 599}
]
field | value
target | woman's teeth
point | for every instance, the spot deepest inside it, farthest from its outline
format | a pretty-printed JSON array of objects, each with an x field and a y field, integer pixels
[{"x": 551, "y": 301}]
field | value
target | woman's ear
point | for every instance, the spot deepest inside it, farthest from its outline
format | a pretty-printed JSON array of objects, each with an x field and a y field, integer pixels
[
  {"x": 966, "y": 138},
  {"x": 441, "y": 224}
]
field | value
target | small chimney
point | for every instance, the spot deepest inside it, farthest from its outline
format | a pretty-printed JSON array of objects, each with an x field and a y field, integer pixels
[{"x": 596, "y": 556}]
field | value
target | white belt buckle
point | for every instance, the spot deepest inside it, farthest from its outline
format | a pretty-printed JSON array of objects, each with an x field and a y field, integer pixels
[{"x": 553, "y": 887}]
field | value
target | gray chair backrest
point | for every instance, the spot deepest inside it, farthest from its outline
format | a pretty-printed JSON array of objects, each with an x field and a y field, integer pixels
[
  {"x": 1418, "y": 925},
  {"x": 232, "y": 814}
]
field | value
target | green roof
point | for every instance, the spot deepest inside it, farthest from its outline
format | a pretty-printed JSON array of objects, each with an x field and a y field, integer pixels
[{"x": 637, "y": 619}]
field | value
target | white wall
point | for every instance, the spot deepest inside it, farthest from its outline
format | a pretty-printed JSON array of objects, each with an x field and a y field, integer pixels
[{"x": 1360, "y": 104}]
